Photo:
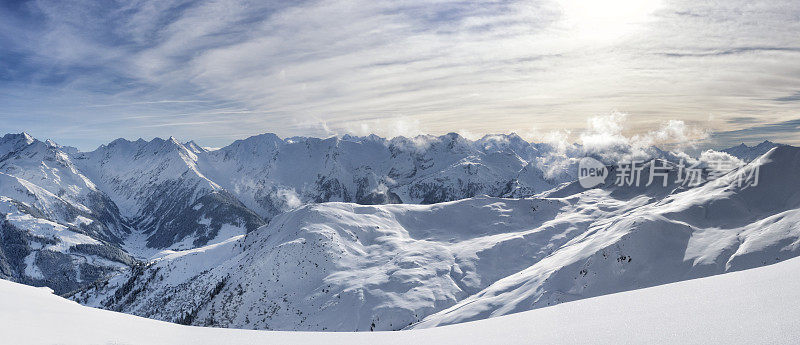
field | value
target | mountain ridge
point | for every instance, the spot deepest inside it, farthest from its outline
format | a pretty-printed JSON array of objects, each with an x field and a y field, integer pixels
[{"x": 292, "y": 233}]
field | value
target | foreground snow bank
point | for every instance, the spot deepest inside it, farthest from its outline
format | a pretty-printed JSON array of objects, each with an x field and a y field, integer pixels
[{"x": 760, "y": 305}]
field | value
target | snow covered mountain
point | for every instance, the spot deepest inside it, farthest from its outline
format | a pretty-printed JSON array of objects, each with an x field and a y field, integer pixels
[
  {"x": 141, "y": 197},
  {"x": 272, "y": 176},
  {"x": 159, "y": 188},
  {"x": 760, "y": 305},
  {"x": 56, "y": 227},
  {"x": 365, "y": 233},
  {"x": 715, "y": 228},
  {"x": 61, "y": 190},
  {"x": 391, "y": 267}
]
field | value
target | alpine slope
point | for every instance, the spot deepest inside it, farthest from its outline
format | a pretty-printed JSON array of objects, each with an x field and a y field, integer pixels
[{"x": 372, "y": 234}]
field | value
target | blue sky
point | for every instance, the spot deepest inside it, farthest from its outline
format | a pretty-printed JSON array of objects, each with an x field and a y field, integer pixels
[{"x": 86, "y": 72}]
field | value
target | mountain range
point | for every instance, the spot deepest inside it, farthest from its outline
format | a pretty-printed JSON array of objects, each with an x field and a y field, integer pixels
[{"x": 366, "y": 233}]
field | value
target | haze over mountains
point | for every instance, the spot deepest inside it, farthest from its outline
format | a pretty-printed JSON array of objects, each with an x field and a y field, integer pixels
[{"x": 365, "y": 233}]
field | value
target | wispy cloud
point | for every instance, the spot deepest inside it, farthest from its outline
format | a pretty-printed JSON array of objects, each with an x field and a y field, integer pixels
[
  {"x": 146, "y": 68},
  {"x": 784, "y": 132},
  {"x": 147, "y": 102},
  {"x": 792, "y": 98}
]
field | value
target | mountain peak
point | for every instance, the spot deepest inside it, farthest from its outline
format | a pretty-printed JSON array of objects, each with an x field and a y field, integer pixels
[
  {"x": 19, "y": 137},
  {"x": 453, "y": 135},
  {"x": 767, "y": 143},
  {"x": 256, "y": 142},
  {"x": 118, "y": 141}
]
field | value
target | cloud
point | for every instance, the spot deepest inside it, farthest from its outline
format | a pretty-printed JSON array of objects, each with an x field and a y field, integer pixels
[
  {"x": 605, "y": 137},
  {"x": 388, "y": 128},
  {"x": 792, "y": 98},
  {"x": 711, "y": 158},
  {"x": 147, "y": 102},
  {"x": 604, "y": 133},
  {"x": 742, "y": 120},
  {"x": 733, "y": 51},
  {"x": 784, "y": 132},
  {"x": 286, "y": 199},
  {"x": 329, "y": 67}
]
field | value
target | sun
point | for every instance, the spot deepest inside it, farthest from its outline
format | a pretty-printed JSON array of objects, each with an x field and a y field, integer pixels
[{"x": 605, "y": 20}]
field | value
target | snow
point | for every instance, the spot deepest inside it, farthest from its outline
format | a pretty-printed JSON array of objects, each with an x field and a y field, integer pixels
[
  {"x": 31, "y": 269},
  {"x": 185, "y": 264},
  {"x": 760, "y": 305},
  {"x": 388, "y": 267},
  {"x": 42, "y": 228},
  {"x": 46, "y": 166},
  {"x": 122, "y": 169},
  {"x": 226, "y": 233},
  {"x": 326, "y": 263}
]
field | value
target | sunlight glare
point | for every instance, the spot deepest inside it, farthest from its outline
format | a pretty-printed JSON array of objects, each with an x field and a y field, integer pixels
[{"x": 605, "y": 20}]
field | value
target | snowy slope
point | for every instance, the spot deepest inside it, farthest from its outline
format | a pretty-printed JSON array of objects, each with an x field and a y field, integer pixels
[
  {"x": 39, "y": 252},
  {"x": 760, "y": 305},
  {"x": 712, "y": 229},
  {"x": 349, "y": 267},
  {"x": 383, "y": 266},
  {"x": 341, "y": 253}
]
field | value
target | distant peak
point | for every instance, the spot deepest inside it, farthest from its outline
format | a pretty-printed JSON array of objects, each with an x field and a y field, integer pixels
[
  {"x": 268, "y": 137},
  {"x": 118, "y": 141},
  {"x": 19, "y": 137},
  {"x": 355, "y": 138},
  {"x": 257, "y": 140},
  {"x": 515, "y": 136}
]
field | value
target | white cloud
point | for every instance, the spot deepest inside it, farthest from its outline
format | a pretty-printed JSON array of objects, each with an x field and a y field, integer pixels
[
  {"x": 322, "y": 67},
  {"x": 287, "y": 199}
]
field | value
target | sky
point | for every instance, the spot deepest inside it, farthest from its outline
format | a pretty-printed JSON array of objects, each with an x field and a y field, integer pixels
[{"x": 86, "y": 72}]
